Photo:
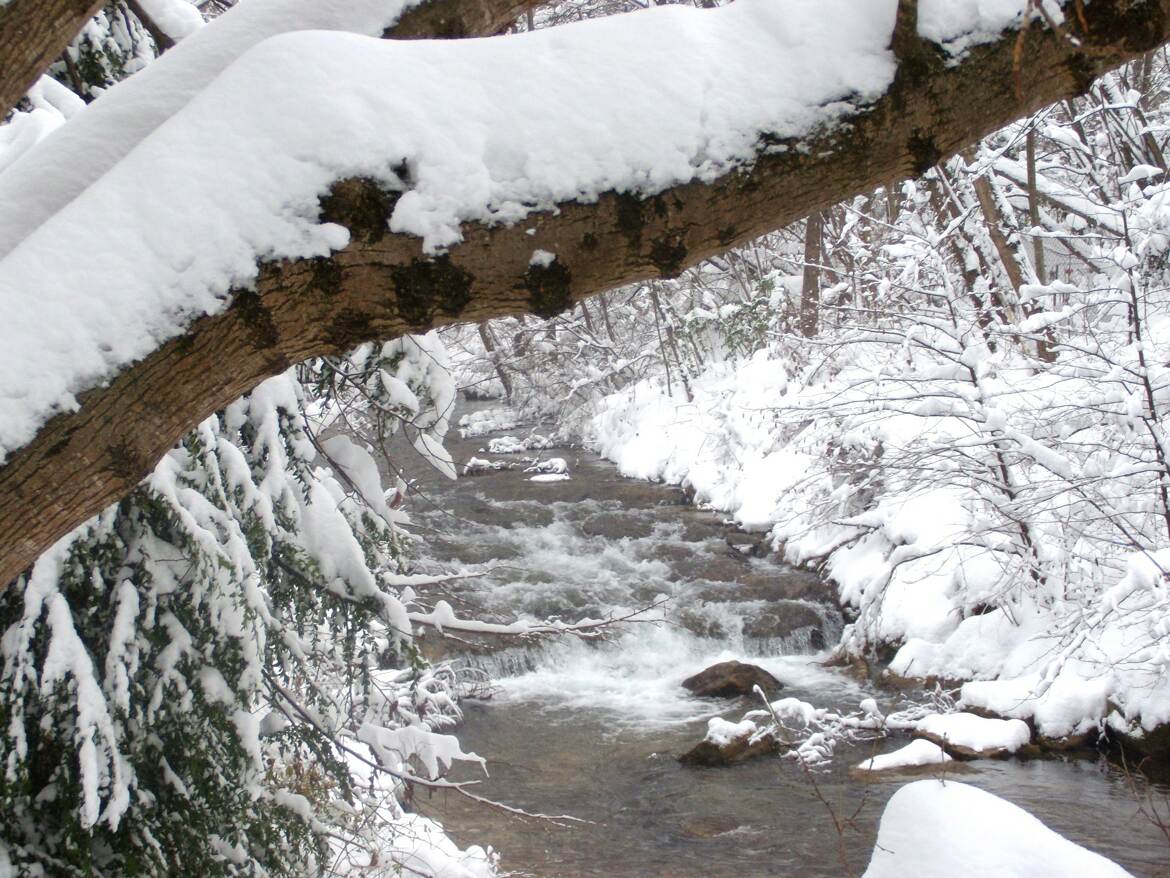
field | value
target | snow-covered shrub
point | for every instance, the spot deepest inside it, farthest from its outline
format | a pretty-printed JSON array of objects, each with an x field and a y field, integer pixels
[
  {"x": 215, "y": 674},
  {"x": 191, "y": 679},
  {"x": 112, "y": 46}
]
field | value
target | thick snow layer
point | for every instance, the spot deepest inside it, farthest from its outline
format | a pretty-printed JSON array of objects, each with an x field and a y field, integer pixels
[
  {"x": 976, "y": 733},
  {"x": 551, "y": 465},
  {"x": 64, "y": 166},
  {"x": 514, "y": 445},
  {"x": 958, "y": 26},
  {"x": 52, "y": 105},
  {"x": 915, "y": 754},
  {"x": 159, "y": 227},
  {"x": 178, "y": 19},
  {"x": 1020, "y": 667},
  {"x": 1065, "y": 706},
  {"x": 976, "y": 648},
  {"x": 78, "y": 192},
  {"x": 951, "y": 829}
]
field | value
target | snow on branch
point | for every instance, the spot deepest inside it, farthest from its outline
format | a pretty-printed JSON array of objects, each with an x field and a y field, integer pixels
[
  {"x": 757, "y": 114},
  {"x": 305, "y": 109}
]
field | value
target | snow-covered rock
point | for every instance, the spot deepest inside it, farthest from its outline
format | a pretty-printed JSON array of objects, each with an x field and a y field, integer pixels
[
  {"x": 515, "y": 445},
  {"x": 952, "y": 830},
  {"x": 727, "y": 743},
  {"x": 965, "y": 734},
  {"x": 480, "y": 423},
  {"x": 477, "y": 466},
  {"x": 551, "y": 465},
  {"x": 917, "y": 754}
]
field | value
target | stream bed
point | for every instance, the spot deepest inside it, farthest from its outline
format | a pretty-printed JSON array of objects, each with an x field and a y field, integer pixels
[{"x": 593, "y": 730}]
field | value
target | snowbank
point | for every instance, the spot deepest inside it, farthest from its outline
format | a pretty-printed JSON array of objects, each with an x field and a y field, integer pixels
[
  {"x": 723, "y": 444},
  {"x": 1086, "y": 650}
]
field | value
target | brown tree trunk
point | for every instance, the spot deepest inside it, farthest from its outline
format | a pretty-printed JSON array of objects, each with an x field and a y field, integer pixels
[
  {"x": 967, "y": 258},
  {"x": 588, "y": 318},
  {"x": 33, "y": 33},
  {"x": 493, "y": 353},
  {"x": 1038, "y": 260},
  {"x": 1012, "y": 259},
  {"x": 382, "y": 285},
  {"x": 603, "y": 300},
  {"x": 810, "y": 288}
]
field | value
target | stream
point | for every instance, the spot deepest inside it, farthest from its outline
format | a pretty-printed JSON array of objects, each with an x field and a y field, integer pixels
[{"x": 593, "y": 730}]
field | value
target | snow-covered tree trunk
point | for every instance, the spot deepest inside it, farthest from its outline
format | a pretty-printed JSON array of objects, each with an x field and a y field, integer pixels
[{"x": 382, "y": 284}]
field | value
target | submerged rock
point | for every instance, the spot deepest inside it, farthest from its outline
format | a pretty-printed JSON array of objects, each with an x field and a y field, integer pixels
[
  {"x": 753, "y": 545},
  {"x": 1148, "y": 749},
  {"x": 793, "y": 620},
  {"x": 709, "y": 827},
  {"x": 735, "y": 581},
  {"x": 617, "y": 525},
  {"x": 731, "y": 679},
  {"x": 700, "y": 622}
]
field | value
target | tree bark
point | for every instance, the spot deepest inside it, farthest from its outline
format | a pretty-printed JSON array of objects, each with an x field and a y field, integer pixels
[
  {"x": 810, "y": 287},
  {"x": 33, "y": 33},
  {"x": 489, "y": 346},
  {"x": 1038, "y": 259},
  {"x": 1012, "y": 257},
  {"x": 456, "y": 19},
  {"x": 382, "y": 285},
  {"x": 162, "y": 40}
]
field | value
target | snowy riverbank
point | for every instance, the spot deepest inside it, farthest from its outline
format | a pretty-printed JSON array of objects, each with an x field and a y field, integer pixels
[
  {"x": 912, "y": 552},
  {"x": 614, "y": 717}
]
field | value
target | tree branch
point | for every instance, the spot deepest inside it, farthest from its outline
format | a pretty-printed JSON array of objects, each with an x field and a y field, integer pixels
[{"x": 382, "y": 285}]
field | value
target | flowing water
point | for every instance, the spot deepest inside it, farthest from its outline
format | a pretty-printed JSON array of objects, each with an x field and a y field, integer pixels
[{"x": 593, "y": 730}]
